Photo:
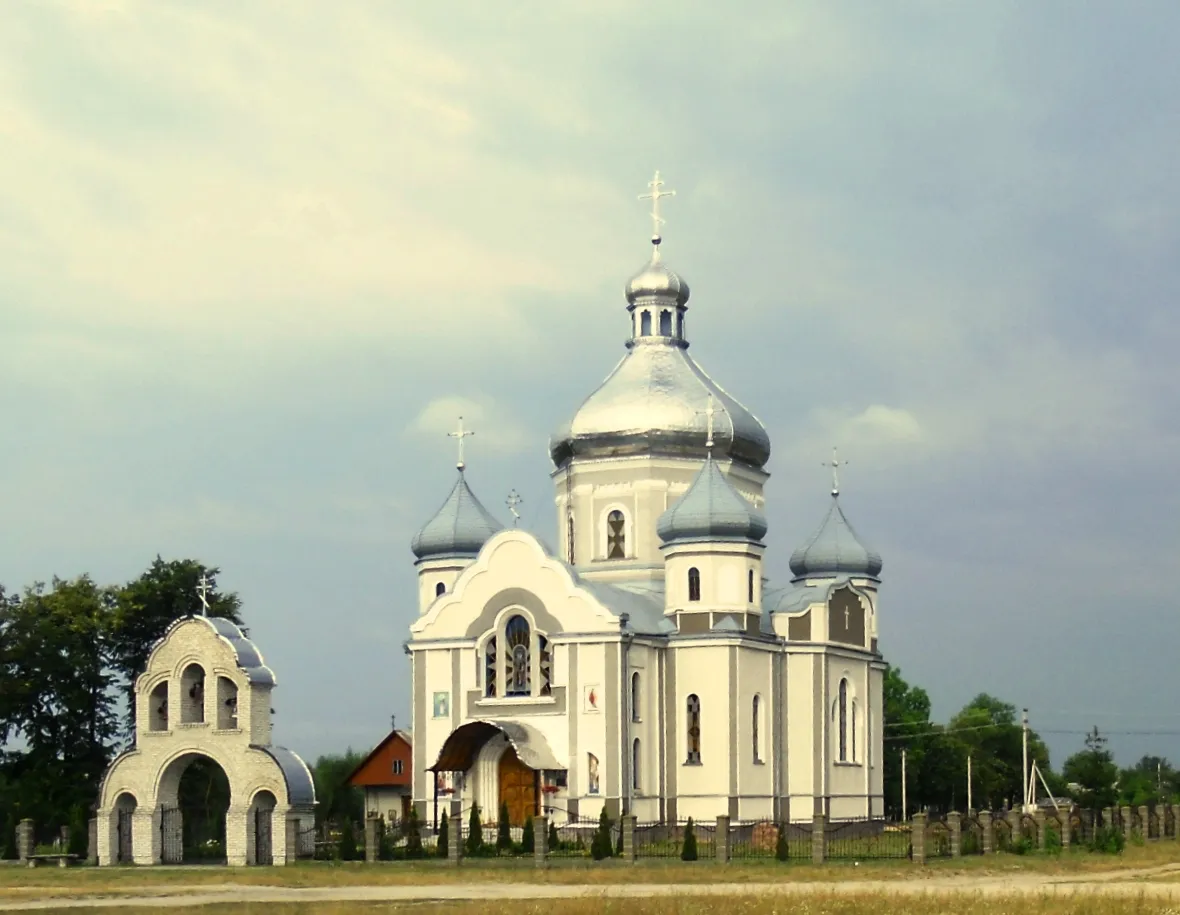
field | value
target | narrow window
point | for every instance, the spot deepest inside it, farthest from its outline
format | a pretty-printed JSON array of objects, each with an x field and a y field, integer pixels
[
  {"x": 635, "y": 697},
  {"x": 227, "y": 704},
  {"x": 489, "y": 668},
  {"x": 694, "y": 584},
  {"x": 545, "y": 667},
  {"x": 192, "y": 695},
  {"x": 569, "y": 540},
  {"x": 852, "y": 730},
  {"x": 645, "y": 324},
  {"x": 680, "y": 324},
  {"x": 397, "y": 767},
  {"x": 754, "y": 729},
  {"x": 616, "y": 535},
  {"x": 635, "y": 765},
  {"x": 843, "y": 712},
  {"x": 694, "y": 729},
  {"x": 665, "y": 323},
  {"x": 158, "y": 707},
  {"x": 440, "y": 589},
  {"x": 750, "y": 585},
  {"x": 591, "y": 774},
  {"x": 517, "y": 675}
]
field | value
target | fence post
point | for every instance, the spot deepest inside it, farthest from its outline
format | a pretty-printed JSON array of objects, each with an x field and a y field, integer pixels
[
  {"x": 371, "y": 838},
  {"x": 1126, "y": 813},
  {"x": 721, "y": 841},
  {"x": 1016, "y": 822},
  {"x": 1161, "y": 821},
  {"x": 1144, "y": 823},
  {"x": 1039, "y": 819},
  {"x": 456, "y": 837},
  {"x": 92, "y": 841},
  {"x": 987, "y": 839},
  {"x": 25, "y": 845},
  {"x": 541, "y": 841},
  {"x": 954, "y": 822},
  {"x": 918, "y": 838},
  {"x": 1065, "y": 817},
  {"x": 629, "y": 838},
  {"x": 819, "y": 838}
]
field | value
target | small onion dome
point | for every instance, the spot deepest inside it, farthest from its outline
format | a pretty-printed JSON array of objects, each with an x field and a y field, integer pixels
[
  {"x": 460, "y": 528},
  {"x": 655, "y": 279},
  {"x": 835, "y": 550},
  {"x": 711, "y": 509}
]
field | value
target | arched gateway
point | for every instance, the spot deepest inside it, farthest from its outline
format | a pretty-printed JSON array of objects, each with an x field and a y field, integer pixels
[
  {"x": 503, "y": 762},
  {"x": 203, "y": 710}
]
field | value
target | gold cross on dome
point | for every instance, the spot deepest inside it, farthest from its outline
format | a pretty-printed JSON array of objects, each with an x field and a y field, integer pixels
[
  {"x": 656, "y": 220},
  {"x": 835, "y": 463},
  {"x": 460, "y": 433}
]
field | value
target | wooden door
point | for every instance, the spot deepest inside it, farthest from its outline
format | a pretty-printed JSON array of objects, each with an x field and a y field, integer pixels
[{"x": 518, "y": 788}]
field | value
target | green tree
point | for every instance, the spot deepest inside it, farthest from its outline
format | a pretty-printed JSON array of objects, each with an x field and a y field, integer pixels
[
  {"x": 147, "y": 606},
  {"x": 601, "y": 845},
  {"x": 443, "y": 848},
  {"x": 348, "y": 846},
  {"x": 1094, "y": 772},
  {"x": 688, "y": 851},
  {"x": 906, "y": 721},
  {"x": 990, "y": 731},
  {"x": 528, "y": 838},
  {"x": 782, "y": 850},
  {"x": 413, "y": 834},
  {"x": 503, "y": 830},
  {"x": 474, "y": 845},
  {"x": 337, "y": 800},
  {"x": 554, "y": 842}
]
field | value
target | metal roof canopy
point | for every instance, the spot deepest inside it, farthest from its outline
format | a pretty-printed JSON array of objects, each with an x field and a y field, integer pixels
[{"x": 460, "y": 749}]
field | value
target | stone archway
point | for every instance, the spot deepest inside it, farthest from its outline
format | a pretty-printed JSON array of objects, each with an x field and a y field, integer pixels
[
  {"x": 123, "y": 825},
  {"x": 260, "y": 821},
  {"x": 194, "y": 797}
]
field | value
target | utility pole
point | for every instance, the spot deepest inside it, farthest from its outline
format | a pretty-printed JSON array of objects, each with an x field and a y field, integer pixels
[
  {"x": 1024, "y": 757},
  {"x": 904, "y": 814},
  {"x": 969, "y": 807}
]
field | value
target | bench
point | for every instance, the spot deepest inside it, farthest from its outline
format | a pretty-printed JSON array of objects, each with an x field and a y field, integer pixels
[{"x": 62, "y": 860}]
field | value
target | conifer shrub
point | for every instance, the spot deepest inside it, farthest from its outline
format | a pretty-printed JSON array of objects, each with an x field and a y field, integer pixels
[
  {"x": 689, "y": 851},
  {"x": 414, "y": 835},
  {"x": 601, "y": 847},
  {"x": 554, "y": 843},
  {"x": 782, "y": 851},
  {"x": 474, "y": 844},
  {"x": 528, "y": 838},
  {"x": 444, "y": 838},
  {"x": 348, "y": 848},
  {"x": 503, "y": 831}
]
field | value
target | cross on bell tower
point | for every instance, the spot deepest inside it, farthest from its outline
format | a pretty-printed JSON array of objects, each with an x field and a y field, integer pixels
[
  {"x": 460, "y": 433},
  {"x": 203, "y": 593},
  {"x": 835, "y": 463},
  {"x": 654, "y": 196}
]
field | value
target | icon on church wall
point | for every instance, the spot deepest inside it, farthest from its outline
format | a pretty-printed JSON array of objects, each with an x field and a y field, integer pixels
[
  {"x": 442, "y": 705},
  {"x": 591, "y": 773},
  {"x": 592, "y": 699}
]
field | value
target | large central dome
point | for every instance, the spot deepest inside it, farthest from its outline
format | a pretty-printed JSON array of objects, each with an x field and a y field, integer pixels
[{"x": 654, "y": 402}]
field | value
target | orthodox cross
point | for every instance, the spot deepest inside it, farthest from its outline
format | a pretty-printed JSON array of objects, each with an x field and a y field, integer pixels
[
  {"x": 656, "y": 221},
  {"x": 460, "y": 433},
  {"x": 709, "y": 412},
  {"x": 846, "y": 623},
  {"x": 203, "y": 594},
  {"x": 512, "y": 501},
  {"x": 835, "y": 463}
]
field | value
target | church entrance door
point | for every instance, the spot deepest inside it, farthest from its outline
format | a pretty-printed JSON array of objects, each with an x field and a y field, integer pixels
[{"x": 518, "y": 788}]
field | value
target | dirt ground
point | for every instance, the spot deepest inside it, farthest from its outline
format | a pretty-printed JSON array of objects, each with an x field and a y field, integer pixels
[{"x": 1151, "y": 883}]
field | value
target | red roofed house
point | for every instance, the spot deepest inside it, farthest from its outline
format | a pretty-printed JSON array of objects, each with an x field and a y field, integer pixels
[{"x": 385, "y": 776}]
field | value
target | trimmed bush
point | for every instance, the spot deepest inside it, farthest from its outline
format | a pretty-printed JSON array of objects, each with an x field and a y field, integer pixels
[
  {"x": 414, "y": 835},
  {"x": 602, "y": 847},
  {"x": 503, "y": 831},
  {"x": 528, "y": 838},
  {"x": 444, "y": 847},
  {"x": 782, "y": 851},
  {"x": 689, "y": 851},
  {"x": 474, "y": 844},
  {"x": 554, "y": 842}
]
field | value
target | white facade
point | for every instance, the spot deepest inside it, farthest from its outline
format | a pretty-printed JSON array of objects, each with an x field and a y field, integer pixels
[{"x": 648, "y": 666}]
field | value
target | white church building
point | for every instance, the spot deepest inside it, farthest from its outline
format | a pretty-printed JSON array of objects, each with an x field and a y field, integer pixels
[{"x": 647, "y": 665}]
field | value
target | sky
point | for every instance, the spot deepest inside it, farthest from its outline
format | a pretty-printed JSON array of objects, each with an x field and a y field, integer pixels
[{"x": 256, "y": 258}]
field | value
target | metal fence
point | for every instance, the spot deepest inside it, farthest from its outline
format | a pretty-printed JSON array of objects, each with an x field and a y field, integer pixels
[
  {"x": 668, "y": 840},
  {"x": 767, "y": 839},
  {"x": 855, "y": 840}
]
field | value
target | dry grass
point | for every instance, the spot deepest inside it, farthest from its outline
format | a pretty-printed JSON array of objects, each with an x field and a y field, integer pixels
[{"x": 964, "y": 904}]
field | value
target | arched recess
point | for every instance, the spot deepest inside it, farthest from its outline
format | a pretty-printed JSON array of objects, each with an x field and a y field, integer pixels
[
  {"x": 194, "y": 796},
  {"x": 158, "y": 707},
  {"x": 227, "y": 704},
  {"x": 260, "y": 821},
  {"x": 123, "y": 828},
  {"x": 192, "y": 695}
]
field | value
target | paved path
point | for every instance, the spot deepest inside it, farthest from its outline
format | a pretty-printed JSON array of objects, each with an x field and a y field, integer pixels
[{"x": 1113, "y": 883}]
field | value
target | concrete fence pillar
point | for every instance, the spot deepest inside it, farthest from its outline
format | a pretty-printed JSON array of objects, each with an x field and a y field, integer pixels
[
  {"x": 721, "y": 842},
  {"x": 1161, "y": 821},
  {"x": 92, "y": 841},
  {"x": 1039, "y": 819},
  {"x": 918, "y": 838},
  {"x": 1016, "y": 824},
  {"x": 25, "y": 845},
  {"x": 1144, "y": 821},
  {"x": 372, "y": 825},
  {"x": 629, "y": 838},
  {"x": 954, "y": 822},
  {"x": 987, "y": 837},
  {"x": 1127, "y": 821},
  {"x": 1064, "y": 814},
  {"x": 541, "y": 840},
  {"x": 457, "y": 836},
  {"x": 819, "y": 838}
]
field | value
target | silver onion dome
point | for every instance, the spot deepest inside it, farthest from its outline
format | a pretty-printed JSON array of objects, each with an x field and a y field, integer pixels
[
  {"x": 711, "y": 509},
  {"x": 459, "y": 529},
  {"x": 657, "y": 280},
  {"x": 835, "y": 549}
]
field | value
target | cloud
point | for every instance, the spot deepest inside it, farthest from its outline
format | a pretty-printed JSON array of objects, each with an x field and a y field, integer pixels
[{"x": 493, "y": 427}]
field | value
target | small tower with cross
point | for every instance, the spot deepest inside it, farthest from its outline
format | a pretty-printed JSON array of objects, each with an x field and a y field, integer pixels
[
  {"x": 451, "y": 540},
  {"x": 656, "y": 296}
]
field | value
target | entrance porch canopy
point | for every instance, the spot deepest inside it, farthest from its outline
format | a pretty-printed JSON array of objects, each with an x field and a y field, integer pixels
[{"x": 460, "y": 749}]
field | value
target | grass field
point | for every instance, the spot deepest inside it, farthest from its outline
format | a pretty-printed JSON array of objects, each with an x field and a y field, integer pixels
[{"x": 965, "y": 904}]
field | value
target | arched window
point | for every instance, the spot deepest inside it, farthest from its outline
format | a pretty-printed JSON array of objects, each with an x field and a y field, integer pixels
[
  {"x": 616, "y": 535},
  {"x": 517, "y": 645},
  {"x": 192, "y": 695},
  {"x": 489, "y": 667},
  {"x": 635, "y": 708},
  {"x": 694, "y": 584},
  {"x": 852, "y": 731},
  {"x": 158, "y": 707},
  {"x": 645, "y": 324},
  {"x": 750, "y": 585},
  {"x": 693, "y": 708},
  {"x": 665, "y": 323},
  {"x": 440, "y": 589},
  {"x": 843, "y": 712},
  {"x": 755, "y": 728},
  {"x": 635, "y": 764}
]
